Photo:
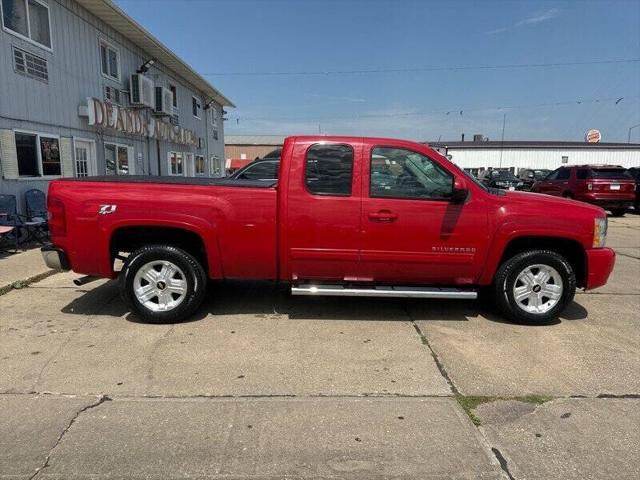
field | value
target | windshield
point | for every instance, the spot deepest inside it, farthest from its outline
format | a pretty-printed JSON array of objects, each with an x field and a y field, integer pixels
[
  {"x": 610, "y": 174},
  {"x": 504, "y": 175}
]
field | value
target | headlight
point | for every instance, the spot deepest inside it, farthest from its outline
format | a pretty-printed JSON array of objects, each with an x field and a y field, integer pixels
[{"x": 599, "y": 232}]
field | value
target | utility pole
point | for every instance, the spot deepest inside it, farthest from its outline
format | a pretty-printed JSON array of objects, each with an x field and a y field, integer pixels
[
  {"x": 504, "y": 121},
  {"x": 631, "y": 128}
]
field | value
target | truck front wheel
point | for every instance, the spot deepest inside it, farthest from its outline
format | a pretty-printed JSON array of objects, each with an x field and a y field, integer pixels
[
  {"x": 534, "y": 287},
  {"x": 162, "y": 284}
]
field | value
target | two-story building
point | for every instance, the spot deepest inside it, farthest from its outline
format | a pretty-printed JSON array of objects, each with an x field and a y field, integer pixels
[{"x": 85, "y": 90}]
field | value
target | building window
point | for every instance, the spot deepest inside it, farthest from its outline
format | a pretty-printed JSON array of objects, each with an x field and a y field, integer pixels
[
  {"x": 174, "y": 92},
  {"x": 328, "y": 169},
  {"x": 200, "y": 168},
  {"x": 30, "y": 65},
  {"x": 114, "y": 95},
  {"x": 214, "y": 122},
  {"x": 195, "y": 106},
  {"x": 109, "y": 60},
  {"x": 176, "y": 163},
  {"x": 28, "y": 19},
  {"x": 214, "y": 166},
  {"x": 38, "y": 155},
  {"x": 116, "y": 159}
]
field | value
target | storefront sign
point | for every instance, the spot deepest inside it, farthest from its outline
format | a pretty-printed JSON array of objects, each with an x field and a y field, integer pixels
[
  {"x": 593, "y": 136},
  {"x": 132, "y": 121}
]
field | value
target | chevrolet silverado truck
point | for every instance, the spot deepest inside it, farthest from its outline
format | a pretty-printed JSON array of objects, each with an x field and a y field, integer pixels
[{"x": 346, "y": 217}]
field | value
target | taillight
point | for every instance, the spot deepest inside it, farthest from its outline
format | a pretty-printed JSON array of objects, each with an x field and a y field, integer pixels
[{"x": 57, "y": 217}]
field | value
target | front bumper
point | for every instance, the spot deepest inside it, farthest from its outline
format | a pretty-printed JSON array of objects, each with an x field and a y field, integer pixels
[
  {"x": 600, "y": 262},
  {"x": 55, "y": 258}
]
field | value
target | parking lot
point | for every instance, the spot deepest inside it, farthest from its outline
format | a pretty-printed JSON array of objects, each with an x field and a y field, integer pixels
[{"x": 264, "y": 385}]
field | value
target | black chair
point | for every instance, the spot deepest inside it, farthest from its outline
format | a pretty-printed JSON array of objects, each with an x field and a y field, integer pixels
[
  {"x": 36, "y": 219},
  {"x": 10, "y": 222}
]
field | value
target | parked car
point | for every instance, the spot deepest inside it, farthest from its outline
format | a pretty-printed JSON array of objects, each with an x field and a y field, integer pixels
[
  {"x": 610, "y": 187},
  {"x": 265, "y": 170},
  {"x": 635, "y": 173},
  {"x": 503, "y": 179},
  {"x": 531, "y": 176},
  {"x": 349, "y": 216}
]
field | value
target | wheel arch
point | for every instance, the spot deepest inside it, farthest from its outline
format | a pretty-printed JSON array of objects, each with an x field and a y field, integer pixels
[
  {"x": 128, "y": 238},
  {"x": 569, "y": 248}
]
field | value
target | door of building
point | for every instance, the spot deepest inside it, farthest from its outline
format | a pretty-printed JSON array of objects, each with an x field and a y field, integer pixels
[
  {"x": 190, "y": 171},
  {"x": 85, "y": 158}
]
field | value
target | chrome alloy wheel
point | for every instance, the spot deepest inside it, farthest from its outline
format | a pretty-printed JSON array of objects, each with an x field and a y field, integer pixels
[
  {"x": 160, "y": 286},
  {"x": 537, "y": 289}
]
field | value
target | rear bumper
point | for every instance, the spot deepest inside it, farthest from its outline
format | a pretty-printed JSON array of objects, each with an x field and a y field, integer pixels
[
  {"x": 600, "y": 262},
  {"x": 607, "y": 201},
  {"x": 55, "y": 258}
]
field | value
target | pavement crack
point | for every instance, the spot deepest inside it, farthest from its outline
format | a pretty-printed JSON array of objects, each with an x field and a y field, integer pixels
[
  {"x": 434, "y": 355},
  {"x": 503, "y": 462},
  {"x": 45, "y": 464},
  {"x": 152, "y": 354},
  {"x": 622, "y": 395}
]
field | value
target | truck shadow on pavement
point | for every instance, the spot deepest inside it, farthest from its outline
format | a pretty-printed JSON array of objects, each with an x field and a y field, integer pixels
[{"x": 263, "y": 299}]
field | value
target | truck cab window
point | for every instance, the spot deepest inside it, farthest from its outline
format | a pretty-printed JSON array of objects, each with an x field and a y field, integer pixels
[
  {"x": 329, "y": 169},
  {"x": 400, "y": 173}
]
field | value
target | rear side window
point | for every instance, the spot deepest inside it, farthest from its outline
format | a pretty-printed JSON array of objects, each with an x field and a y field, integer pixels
[
  {"x": 329, "y": 170},
  {"x": 610, "y": 174},
  {"x": 582, "y": 174},
  {"x": 563, "y": 174}
]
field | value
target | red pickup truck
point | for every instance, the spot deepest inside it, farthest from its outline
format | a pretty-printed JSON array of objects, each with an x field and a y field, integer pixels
[{"x": 347, "y": 216}]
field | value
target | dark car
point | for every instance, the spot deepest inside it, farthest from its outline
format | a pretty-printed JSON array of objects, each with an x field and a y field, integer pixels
[
  {"x": 635, "y": 173},
  {"x": 531, "y": 176},
  {"x": 608, "y": 186},
  {"x": 503, "y": 179},
  {"x": 265, "y": 169}
]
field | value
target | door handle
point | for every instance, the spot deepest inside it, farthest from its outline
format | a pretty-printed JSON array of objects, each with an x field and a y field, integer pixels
[{"x": 383, "y": 216}]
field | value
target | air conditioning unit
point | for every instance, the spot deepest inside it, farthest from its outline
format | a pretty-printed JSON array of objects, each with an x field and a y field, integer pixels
[
  {"x": 164, "y": 102},
  {"x": 141, "y": 91}
]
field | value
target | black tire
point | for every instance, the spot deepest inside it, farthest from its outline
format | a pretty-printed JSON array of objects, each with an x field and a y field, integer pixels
[
  {"x": 568, "y": 195},
  {"x": 506, "y": 277},
  {"x": 618, "y": 212},
  {"x": 195, "y": 277}
]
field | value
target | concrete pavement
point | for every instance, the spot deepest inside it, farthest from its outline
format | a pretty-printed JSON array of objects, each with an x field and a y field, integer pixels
[{"x": 264, "y": 385}]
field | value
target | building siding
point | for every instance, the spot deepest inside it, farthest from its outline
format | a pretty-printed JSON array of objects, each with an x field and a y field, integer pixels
[
  {"x": 74, "y": 72},
  {"x": 519, "y": 158}
]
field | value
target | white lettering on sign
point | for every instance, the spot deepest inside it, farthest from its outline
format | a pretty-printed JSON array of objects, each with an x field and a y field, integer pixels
[{"x": 127, "y": 120}]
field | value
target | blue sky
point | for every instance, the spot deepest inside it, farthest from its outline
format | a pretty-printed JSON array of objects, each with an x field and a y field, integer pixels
[{"x": 257, "y": 36}]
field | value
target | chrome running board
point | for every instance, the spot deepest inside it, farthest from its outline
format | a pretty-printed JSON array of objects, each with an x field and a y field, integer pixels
[{"x": 394, "y": 291}]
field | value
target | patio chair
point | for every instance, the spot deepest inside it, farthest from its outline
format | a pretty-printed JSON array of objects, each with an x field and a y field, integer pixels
[
  {"x": 9, "y": 221},
  {"x": 36, "y": 219}
]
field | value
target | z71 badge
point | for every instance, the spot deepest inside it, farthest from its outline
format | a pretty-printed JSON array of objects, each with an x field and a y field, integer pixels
[{"x": 106, "y": 209}]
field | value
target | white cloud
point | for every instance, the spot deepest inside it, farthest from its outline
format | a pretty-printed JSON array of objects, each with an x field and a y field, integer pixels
[{"x": 534, "y": 19}]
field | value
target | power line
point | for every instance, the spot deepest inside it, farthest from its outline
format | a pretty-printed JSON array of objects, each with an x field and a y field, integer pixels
[
  {"x": 454, "y": 112},
  {"x": 435, "y": 68}
]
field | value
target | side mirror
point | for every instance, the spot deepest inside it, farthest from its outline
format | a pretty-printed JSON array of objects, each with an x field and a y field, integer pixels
[{"x": 460, "y": 191}]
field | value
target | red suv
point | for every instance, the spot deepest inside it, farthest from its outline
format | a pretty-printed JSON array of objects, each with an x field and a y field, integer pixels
[{"x": 610, "y": 187}]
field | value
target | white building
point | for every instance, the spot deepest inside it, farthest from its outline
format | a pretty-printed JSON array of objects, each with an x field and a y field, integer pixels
[{"x": 515, "y": 155}]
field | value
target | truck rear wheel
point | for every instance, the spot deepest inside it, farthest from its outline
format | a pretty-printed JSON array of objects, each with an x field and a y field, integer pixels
[
  {"x": 534, "y": 287},
  {"x": 162, "y": 284}
]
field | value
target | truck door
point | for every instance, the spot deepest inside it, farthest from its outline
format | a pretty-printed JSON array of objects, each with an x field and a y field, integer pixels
[
  {"x": 323, "y": 211},
  {"x": 411, "y": 232}
]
